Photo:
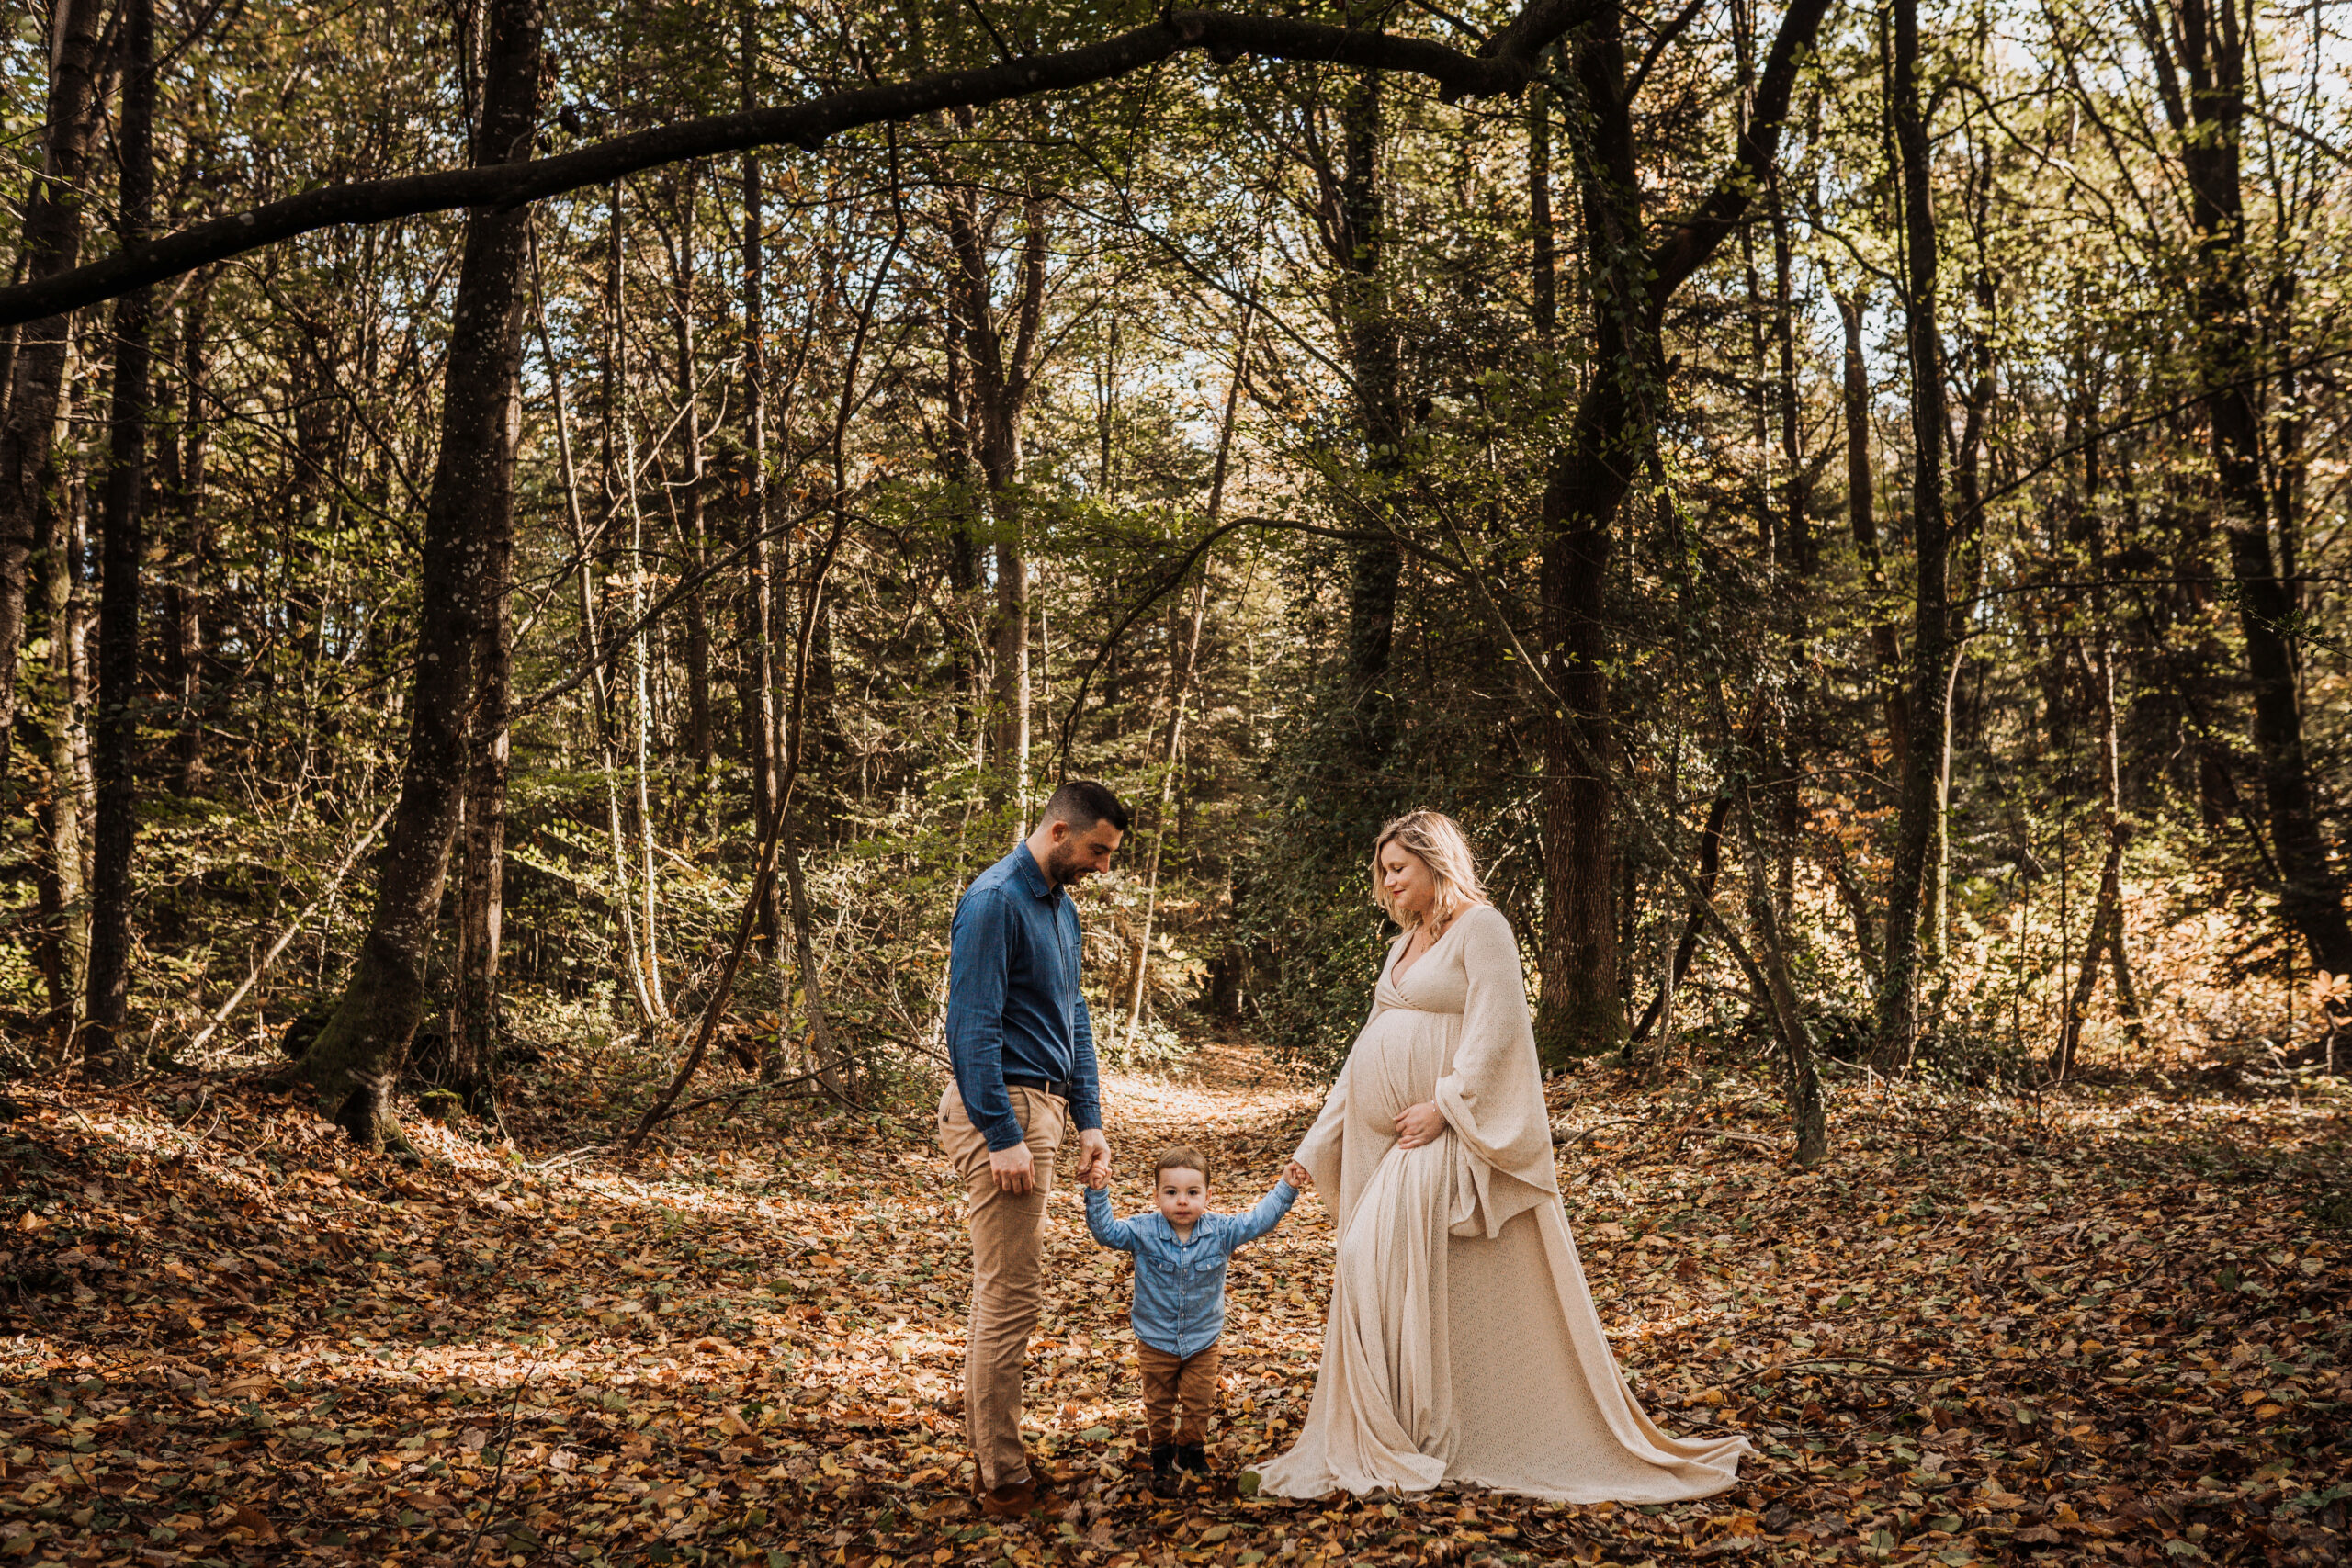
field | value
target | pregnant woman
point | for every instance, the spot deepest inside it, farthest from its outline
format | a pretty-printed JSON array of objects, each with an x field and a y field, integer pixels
[{"x": 1463, "y": 1345}]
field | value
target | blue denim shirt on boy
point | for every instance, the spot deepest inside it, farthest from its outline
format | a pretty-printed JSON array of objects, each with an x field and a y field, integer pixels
[{"x": 1180, "y": 1285}]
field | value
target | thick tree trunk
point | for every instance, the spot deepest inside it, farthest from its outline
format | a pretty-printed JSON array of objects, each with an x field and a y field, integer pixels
[
  {"x": 1369, "y": 331},
  {"x": 469, "y": 520},
  {"x": 1611, "y": 434},
  {"x": 1920, "y": 804},
  {"x": 52, "y": 245},
  {"x": 2209, "y": 116},
  {"x": 1580, "y": 1011},
  {"x": 109, "y": 1056}
]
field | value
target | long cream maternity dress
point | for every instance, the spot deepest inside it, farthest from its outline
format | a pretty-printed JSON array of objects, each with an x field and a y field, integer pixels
[{"x": 1463, "y": 1344}]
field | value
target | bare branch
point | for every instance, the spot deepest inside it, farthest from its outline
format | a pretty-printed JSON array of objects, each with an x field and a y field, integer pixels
[{"x": 1504, "y": 67}]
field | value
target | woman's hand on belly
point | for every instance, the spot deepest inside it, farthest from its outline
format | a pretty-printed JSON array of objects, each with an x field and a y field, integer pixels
[{"x": 1418, "y": 1124}]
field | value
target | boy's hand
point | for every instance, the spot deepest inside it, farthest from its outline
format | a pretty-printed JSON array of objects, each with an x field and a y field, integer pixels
[
  {"x": 1097, "y": 1176},
  {"x": 1094, "y": 1155},
  {"x": 1296, "y": 1174}
]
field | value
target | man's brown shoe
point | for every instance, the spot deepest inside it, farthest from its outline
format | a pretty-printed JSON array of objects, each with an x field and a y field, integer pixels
[{"x": 1018, "y": 1500}]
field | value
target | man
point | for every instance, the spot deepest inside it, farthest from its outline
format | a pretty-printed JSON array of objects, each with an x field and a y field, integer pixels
[{"x": 1023, "y": 1053}]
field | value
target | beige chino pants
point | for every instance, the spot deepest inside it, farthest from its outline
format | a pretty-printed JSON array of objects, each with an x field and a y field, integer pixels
[{"x": 1008, "y": 1275}]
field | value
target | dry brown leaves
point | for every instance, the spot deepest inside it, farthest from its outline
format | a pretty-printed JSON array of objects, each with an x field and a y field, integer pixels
[{"x": 2112, "y": 1331}]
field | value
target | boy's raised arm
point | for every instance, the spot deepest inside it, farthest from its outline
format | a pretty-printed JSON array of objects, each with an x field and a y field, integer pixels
[
  {"x": 1108, "y": 1228},
  {"x": 1269, "y": 1213}
]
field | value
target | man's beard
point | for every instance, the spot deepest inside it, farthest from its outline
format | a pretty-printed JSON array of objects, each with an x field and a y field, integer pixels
[{"x": 1061, "y": 867}]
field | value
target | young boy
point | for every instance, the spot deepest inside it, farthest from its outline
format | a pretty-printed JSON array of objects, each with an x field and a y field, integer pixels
[{"x": 1180, "y": 1254}]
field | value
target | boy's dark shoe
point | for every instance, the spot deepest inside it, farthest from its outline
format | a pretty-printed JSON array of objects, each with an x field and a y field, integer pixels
[
  {"x": 1163, "y": 1470},
  {"x": 1190, "y": 1457}
]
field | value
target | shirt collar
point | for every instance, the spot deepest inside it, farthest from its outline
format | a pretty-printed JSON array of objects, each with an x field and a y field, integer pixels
[{"x": 1031, "y": 873}]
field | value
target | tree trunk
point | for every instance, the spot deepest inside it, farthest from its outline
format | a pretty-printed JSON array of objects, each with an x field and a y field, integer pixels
[
  {"x": 1180, "y": 681},
  {"x": 599, "y": 683},
  {"x": 1369, "y": 331},
  {"x": 475, "y": 1016},
  {"x": 108, "y": 1056},
  {"x": 1886, "y": 640},
  {"x": 469, "y": 520},
  {"x": 187, "y": 643},
  {"x": 1800, "y": 1077},
  {"x": 700, "y": 743},
  {"x": 756, "y": 693},
  {"x": 1580, "y": 1011},
  {"x": 1694, "y": 924},
  {"x": 63, "y": 950},
  {"x": 2204, "y": 45},
  {"x": 1920, "y": 806},
  {"x": 1612, "y": 432},
  {"x": 1002, "y": 376},
  {"x": 52, "y": 245}
]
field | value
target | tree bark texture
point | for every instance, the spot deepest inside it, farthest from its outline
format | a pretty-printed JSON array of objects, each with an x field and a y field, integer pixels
[
  {"x": 475, "y": 1013},
  {"x": 61, "y": 951},
  {"x": 107, "y": 1055},
  {"x": 352, "y": 1065},
  {"x": 51, "y": 245}
]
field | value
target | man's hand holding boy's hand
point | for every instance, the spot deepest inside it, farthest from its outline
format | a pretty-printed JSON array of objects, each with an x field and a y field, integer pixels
[
  {"x": 1097, "y": 1176},
  {"x": 1093, "y": 1157},
  {"x": 1296, "y": 1174}
]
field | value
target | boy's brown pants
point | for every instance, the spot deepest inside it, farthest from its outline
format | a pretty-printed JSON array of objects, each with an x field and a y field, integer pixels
[{"x": 1170, "y": 1381}]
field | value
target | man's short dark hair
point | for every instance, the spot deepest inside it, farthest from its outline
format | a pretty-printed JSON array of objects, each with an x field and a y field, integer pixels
[{"x": 1082, "y": 802}]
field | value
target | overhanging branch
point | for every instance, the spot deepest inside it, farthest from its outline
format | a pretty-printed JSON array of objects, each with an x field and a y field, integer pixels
[{"x": 1503, "y": 67}]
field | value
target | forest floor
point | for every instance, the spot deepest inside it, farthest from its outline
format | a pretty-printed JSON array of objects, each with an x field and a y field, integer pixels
[{"x": 2107, "y": 1323}]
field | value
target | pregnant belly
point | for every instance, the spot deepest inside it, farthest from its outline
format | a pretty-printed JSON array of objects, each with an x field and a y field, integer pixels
[{"x": 1400, "y": 1058}]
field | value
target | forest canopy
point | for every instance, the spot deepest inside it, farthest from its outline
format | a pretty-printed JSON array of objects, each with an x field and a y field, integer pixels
[{"x": 531, "y": 531}]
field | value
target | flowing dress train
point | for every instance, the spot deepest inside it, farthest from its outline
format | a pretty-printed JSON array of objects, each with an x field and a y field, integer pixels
[{"x": 1463, "y": 1344}]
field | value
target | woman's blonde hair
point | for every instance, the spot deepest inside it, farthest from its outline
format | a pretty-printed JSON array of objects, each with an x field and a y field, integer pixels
[{"x": 1437, "y": 840}]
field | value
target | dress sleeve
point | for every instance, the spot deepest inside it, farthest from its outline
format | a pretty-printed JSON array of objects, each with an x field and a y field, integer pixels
[
  {"x": 1493, "y": 1100},
  {"x": 1319, "y": 1150}
]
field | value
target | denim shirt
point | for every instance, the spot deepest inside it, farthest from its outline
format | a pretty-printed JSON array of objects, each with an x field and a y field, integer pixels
[
  {"x": 1013, "y": 1005},
  {"x": 1180, "y": 1285}
]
